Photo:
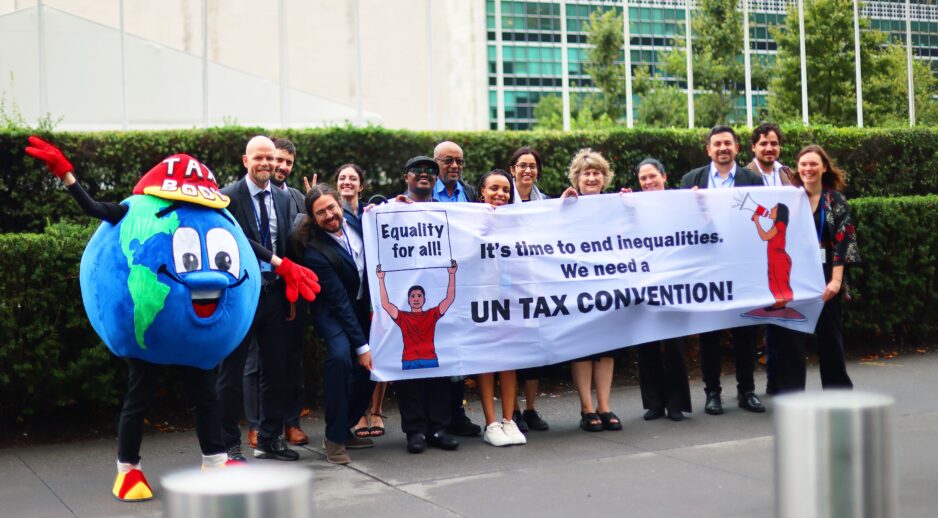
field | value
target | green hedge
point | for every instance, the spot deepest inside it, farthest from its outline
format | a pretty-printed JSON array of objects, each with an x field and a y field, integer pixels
[
  {"x": 879, "y": 162},
  {"x": 895, "y": 287},
  {"x": 50, "y": 357}
]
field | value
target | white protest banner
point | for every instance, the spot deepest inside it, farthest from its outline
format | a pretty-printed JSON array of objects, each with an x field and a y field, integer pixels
[{"x": 465, "y": 288}]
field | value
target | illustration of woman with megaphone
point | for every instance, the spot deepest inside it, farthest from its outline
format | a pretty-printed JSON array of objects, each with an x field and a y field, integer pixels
[{"x": 779, "y": 262}]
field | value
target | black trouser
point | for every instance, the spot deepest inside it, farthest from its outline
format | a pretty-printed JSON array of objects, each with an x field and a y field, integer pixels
[
  {"x": 296, "y": 386},
  {"x": 789, "y": 359},
  {"x": 272, "y": 337},
  {"x": 457, "y": 394},
  {"x": 347, "y": 388},
  {"x": 425, "y": 404},
  {"x": 830, "y": 345},
  {"x": 744, "y": 346},
  {"x": 199, "y": 387},
  {"x": 773, "y": 340},
  {"x": 829, "y": 341},
  {"x": 662, "y": 375}
]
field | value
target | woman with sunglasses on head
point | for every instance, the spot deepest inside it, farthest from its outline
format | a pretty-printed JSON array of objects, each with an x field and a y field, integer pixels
[
  {"x": 496, "y": 189},
  {"x": 590, "y": 174},
  {"x": 823, "y": 182}
]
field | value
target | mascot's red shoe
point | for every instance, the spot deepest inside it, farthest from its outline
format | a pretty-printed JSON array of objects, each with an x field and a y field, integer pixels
[{"x": 132, "y": 487}]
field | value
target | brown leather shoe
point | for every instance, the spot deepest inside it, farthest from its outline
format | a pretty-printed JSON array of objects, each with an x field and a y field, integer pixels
[
  {"x": 295, "y": 435},
  {"x": 252, "y": 439},
  {"x": 335, "y": 452}
]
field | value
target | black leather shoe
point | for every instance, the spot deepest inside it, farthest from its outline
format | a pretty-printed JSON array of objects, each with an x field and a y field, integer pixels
[
  {"x": 653, "y": 413},
  {"x": 442, "y": 440},
  {"x": 519, "y": 421},
  {"x": 750, "y": 401},
  {"x": 535, "y": 421},
  {"x": 714, "y": 404},
  {"x": 675, "y": 415},
  {"x": 463, "y": 427},
  {"x": 416, "y": 442},
  {"x": 275, "y": 449}
]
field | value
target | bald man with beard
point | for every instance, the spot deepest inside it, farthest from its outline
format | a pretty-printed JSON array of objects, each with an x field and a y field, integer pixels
[{"x": 265, "y": 214}]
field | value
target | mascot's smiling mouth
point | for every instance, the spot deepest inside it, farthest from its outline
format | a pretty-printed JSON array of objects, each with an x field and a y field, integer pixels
[
  {"x": 206, "y": 289},
  {"x": 205, "y": 302}
]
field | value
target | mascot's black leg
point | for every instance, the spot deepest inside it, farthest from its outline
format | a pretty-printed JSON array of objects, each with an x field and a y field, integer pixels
[
  {"x": 141, "y": 389},
  {"x": 200, "y": 391}
]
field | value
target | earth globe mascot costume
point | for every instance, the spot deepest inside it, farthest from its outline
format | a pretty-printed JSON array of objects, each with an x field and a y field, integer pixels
[{"x": 169, "y": 278}]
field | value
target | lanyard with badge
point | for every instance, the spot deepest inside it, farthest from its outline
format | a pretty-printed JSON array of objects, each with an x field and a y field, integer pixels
[
  {"x": 820, "y": 233},
  {"x": 264, "y": 232}
]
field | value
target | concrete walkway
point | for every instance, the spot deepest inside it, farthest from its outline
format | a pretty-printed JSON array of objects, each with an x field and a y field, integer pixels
[{"x": 719, "y": 466}]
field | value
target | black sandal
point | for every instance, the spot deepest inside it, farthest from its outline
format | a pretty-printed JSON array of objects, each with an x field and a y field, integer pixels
[
  {"x": 377, "y": 431},
  {"x": 610, "y": 421},
  {"x": 591, "y": 422}
]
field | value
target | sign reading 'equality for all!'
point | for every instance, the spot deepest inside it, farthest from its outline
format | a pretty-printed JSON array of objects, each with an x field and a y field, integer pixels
[{"x": 464, "y": 288}]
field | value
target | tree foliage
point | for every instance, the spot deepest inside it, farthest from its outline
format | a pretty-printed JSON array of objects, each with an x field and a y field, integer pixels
[
  {"x": 603, "y": 63},
  {"x": 591, "y": 111},
  {"x": 662, "y": 105},
  {"x": 719, "y": 73},
  {"x": 830, "y": 65},
  {"x": 829, "y": 50},
  {"x": 886, "y": 95}
]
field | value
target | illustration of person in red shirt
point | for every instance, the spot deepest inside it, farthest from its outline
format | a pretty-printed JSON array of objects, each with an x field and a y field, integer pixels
[{"x": 418, "y": 327}]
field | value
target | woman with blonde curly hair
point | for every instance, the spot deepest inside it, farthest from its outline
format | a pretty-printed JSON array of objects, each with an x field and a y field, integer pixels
[{"x": 589, "y": 174}]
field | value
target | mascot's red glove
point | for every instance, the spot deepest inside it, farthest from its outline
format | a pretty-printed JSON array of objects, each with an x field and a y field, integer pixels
[
  {"x": 300, "y": 280},
  {"x": 51, "y": 155}
]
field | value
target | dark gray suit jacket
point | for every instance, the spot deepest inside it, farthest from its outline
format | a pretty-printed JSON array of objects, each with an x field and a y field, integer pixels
[
  {"x": 242, "y": 208},
  {"x": 700, "y": 177}
]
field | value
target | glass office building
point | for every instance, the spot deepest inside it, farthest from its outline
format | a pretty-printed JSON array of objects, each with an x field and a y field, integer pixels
[{"x": 531, "y": 35}]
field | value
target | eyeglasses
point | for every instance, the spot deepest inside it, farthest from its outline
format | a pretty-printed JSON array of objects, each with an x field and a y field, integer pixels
[
  {"x": 449, "y": 161},
  {"x": 523, "y": 166},
  {"x": 422, "y": 170}
]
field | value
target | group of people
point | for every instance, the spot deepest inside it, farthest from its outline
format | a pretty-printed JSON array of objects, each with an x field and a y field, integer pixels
[
  {"x": 431, "y": 409},
  {"x": 322, "y": 230}
]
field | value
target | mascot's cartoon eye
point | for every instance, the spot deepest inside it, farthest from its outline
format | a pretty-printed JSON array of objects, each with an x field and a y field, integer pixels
[
  {"x": 190, "y": 262},
  {"x": 187, "y": 249},
  {"x": 223, "y": 249}
]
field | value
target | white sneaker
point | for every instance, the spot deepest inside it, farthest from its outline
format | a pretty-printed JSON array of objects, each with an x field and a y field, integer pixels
[
  {"x": 495, "y": 435},
  {"x": 513, "y": 433}
]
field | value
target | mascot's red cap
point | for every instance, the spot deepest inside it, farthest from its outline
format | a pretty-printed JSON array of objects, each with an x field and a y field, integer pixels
[{"x": 182, "y": 178}]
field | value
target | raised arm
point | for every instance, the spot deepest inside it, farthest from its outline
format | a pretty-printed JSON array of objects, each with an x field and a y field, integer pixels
[
  {"x": 385, "y": 302},
  {"x": 59, "y": 165},
  {"x": 762, "y": 233},
  {"x": 450, "y": 289}
]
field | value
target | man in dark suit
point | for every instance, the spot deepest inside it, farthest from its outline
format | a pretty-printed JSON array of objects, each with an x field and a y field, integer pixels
[
  {"x": 334, "y": 248},
  {"x": 723, "y": 173},
  {"x": 284, "y": 160},
  {"x": 266, "y": 215}
]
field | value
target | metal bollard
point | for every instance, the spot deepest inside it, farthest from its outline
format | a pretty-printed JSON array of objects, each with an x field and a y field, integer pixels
[
  {"x": 834, "y": 455},
  {"x": 240, "y": 491}
]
